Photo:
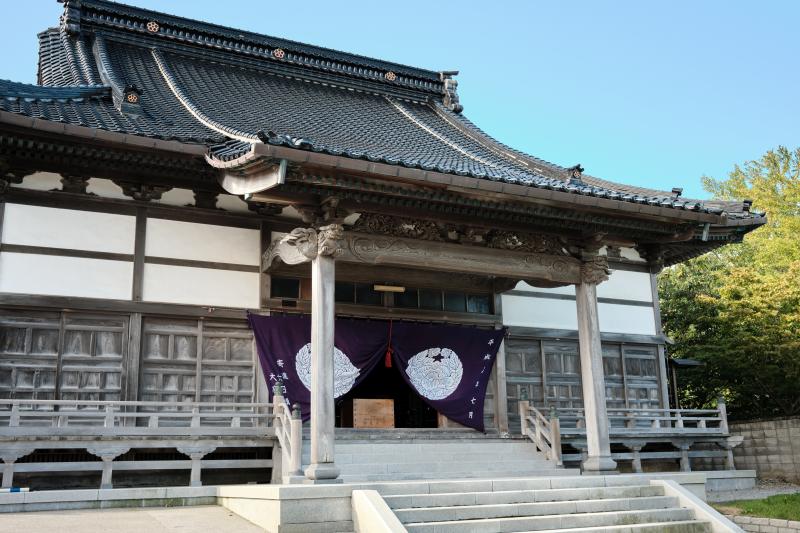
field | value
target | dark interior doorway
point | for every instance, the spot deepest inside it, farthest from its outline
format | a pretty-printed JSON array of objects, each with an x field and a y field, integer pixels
[{"x": 410, "y": 411}]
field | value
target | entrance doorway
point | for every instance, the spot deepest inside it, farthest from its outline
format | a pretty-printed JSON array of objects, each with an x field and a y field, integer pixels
[{"x": 410, "y": 411}]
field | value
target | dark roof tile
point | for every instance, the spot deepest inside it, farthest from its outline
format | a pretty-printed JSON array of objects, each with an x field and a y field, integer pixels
[{"x": 204, "y": 83}]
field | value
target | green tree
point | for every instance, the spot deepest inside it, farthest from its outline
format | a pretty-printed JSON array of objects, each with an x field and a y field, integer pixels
[{"x": 738, "y": 309}]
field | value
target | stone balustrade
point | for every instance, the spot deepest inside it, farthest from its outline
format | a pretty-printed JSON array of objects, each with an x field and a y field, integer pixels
[{"x": 109, "y": 430}]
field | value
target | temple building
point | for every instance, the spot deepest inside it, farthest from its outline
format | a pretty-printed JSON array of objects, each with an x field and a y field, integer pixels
[{"x": 165, "y": 178}]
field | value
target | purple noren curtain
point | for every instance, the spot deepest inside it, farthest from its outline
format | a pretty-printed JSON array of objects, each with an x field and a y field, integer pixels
[
  {"x": 284, "y": 349},
  {"x": 449, "y": 366}
]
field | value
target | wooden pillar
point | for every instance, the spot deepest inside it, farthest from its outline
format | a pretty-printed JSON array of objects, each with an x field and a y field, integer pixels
[
  {"x": 592, "y": 379},
  {"x": 501, "y": 392},
  {"x": 323, "y": 467},
  {"x": 320, "y": 247}
]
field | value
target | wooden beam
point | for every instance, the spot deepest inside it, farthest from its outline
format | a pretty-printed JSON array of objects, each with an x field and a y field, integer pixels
[
  {"x": 138, "y": 254},
  {"x": 446, "y": 257}
]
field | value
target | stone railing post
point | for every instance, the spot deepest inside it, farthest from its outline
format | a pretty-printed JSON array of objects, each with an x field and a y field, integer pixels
[
  {"x": 555, "y": 429},
  {"x": 196, "y": 452},
  {"x": 13, "y": 420},
  {"x": 636, "y": 464},
  {"x": 297, "y": 442},
  {"x": 593, "y": 271},
  {"x": 9, "y": 455},
  {"x": 107, "y": 454},
  {"x": 524, "y": 409},
  {"x": 723, "y": 415},
  {"x": 108, "y": 421},
  {"x": 686, "y": 465}
]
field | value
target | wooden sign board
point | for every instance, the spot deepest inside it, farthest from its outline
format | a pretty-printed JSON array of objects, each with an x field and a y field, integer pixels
[{"x": 373, "y": 413}]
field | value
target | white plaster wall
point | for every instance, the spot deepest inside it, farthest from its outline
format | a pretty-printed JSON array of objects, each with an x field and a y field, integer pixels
[
  {"x": 232, "y": 203},
  {"x": 539, "y": 312},
  {"x": 202, "y": 242},
  {"x": 65, "y": 276},
  {"x": 626, "y": 285},
  {"x": 66, "y": 228},
  {"x": 630, "y": 254},
  {"x": 533, "y": 312},
  {"x": 621, "y": 285},
  {"x": 522, "y": 286},
  {"x": 633, "y": 319},
  {"x": 177, "y": 197},
  {"x": 200, "y": 286},
  {"x": 106, "y": 189},
  {"x": 40, "y": 181}
]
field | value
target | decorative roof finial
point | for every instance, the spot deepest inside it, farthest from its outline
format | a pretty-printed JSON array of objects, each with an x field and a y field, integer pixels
[
  {"x": 449, "y": 90},
  {"x": 576, "y": 174},
  {"x": 71, "y": 18}
]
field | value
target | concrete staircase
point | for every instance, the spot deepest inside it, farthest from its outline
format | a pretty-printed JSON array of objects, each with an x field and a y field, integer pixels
[
  {"x": 447, "y": 455},
  {"x": 568, "y": 504}
]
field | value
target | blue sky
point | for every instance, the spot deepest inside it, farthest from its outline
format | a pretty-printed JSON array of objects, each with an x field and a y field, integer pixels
[{"x": 643, "y": 92}]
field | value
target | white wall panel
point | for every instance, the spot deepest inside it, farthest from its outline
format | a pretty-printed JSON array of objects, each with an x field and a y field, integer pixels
[
  {"x": 200, "y": 286},
  {"x": 68, "y": 228},
  {"x": 632, "y": 319},
  {"x": 177, "y": 197},
  {"x": 106, "y": 189},
  {"x": 630, "y": 254},
  {"x": 40, "y": 181},
  {"x": 202, "y": 242},
  {"x": 528, "y": 311},
  {"x": 626, "y": 285},
  {"x": 539, "y": 312},
  {"x": 232, "y": 203},
  {"x": 568, "y": 289},
  {"x": 65, "y": 276}
]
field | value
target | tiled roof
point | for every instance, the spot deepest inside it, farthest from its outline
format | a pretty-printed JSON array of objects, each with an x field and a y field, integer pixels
[{"x": 201, "y": 83}]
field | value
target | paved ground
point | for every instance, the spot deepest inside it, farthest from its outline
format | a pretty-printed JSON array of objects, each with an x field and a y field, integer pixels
[
  {"x": 204, "y": 519},
  {"x": 763, "y": 489}
]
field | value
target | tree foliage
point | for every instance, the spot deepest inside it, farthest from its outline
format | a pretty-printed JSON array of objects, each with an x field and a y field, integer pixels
[{"x": 738, "y": 309}]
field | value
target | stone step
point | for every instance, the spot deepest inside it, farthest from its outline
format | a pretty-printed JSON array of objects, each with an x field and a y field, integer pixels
[
  {"x": 678, "y": 526},
  {"x": 553, "y": 522},
  {"x": 505, "y": 510},
  {"x": 443, "y": 448},
  {"x": 421, "y": 476},
  {"x": 345, "y": 457},
  {"x": 400, "y": 501},
  {"x": 396, "y": 434},
  {"x": 478, "y": 468}
]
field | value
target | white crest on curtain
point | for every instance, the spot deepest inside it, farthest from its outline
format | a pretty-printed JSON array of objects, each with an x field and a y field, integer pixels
[
  {"x": 344, "y": 373},
  {"x": 435, "y": 372}
]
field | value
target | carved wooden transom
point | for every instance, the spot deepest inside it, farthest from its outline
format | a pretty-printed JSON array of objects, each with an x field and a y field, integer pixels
[{"x": 426, "y": 230}]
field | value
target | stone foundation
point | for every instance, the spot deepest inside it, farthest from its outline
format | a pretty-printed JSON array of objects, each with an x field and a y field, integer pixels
[
  {"x": 766, "y": 525},
  {"x": 770, "y": 447}
]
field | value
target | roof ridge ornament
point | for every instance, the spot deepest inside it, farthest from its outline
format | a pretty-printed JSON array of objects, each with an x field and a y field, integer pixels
[
  {"x": 575, "y": 174},
  {"x": 71, "y": 18},
  {"x": 449, "y": 88}
]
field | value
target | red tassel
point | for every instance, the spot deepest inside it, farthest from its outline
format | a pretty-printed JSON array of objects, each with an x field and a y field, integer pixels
[{"x": 388, "y": 360}]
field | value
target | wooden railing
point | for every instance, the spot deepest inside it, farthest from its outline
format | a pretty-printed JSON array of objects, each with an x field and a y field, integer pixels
[
  {"x": 105, "y": 418},
  {"x": 544, "y": 431},
  {"x": 627, "y": 421},
  {"x": 110, "y": 429},
  {"x": 674, "y": 431},
  {"x": 289, "y": 432}
]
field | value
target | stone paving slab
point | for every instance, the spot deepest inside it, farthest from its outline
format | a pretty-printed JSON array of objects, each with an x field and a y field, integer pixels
[{"x": 202, "y": 519}]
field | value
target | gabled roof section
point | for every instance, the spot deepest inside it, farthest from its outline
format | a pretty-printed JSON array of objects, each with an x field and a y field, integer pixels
[
  {"x": 134, "y": 71},
  {"x": 160, "y": 29}
]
